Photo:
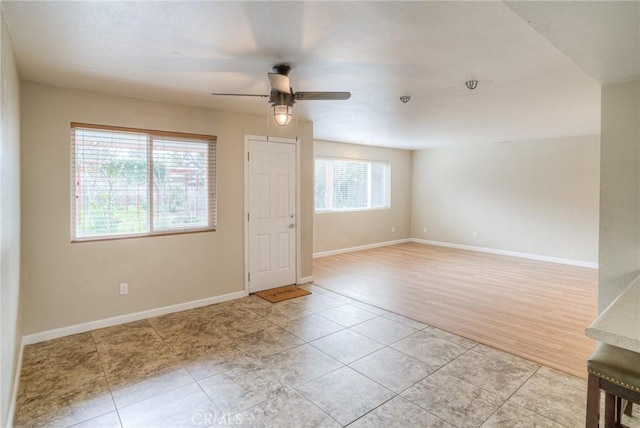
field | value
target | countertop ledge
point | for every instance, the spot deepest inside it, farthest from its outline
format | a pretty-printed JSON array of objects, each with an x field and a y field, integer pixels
[{"x": 619, "y": 323}]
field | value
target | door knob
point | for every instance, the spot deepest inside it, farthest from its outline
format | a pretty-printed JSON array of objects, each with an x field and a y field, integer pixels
[{"x": 292, "y": 225}]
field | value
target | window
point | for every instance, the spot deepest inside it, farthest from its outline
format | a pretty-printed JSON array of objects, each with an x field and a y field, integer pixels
[
  {"x": 132, "y": 182},
  {"x": 344, "y": 184}
]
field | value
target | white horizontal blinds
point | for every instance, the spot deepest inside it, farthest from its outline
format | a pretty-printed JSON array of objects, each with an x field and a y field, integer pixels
[
  {"x": 182, "y": 172},
  {"x": 110, "y": 183},
  {"x": 130, "y": 183},
  {"x": 322, "y": 194},
  {"x": 343, "y": 184},
  {"x": 212, "y": 183},
  {"x": 349, "y": 185},
  {"x": 379, "y": 190}
]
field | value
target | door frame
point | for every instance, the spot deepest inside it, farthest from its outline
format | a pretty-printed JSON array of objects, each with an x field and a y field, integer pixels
[{"x": 268, "y": 139}]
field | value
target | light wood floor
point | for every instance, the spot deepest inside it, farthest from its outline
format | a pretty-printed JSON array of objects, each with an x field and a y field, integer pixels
[{"x": 536, "y": 310}]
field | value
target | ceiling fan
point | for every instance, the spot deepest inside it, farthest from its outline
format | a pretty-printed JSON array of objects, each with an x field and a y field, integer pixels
[{"x": 282, "y": 96}]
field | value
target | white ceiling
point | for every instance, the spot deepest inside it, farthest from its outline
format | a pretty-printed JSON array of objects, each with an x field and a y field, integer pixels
[
  {"x": 602, "y": 37},
  {"x": 182, "y": 51}
]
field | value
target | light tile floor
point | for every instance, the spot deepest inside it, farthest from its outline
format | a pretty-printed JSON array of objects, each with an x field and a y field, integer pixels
[{"x": 322, "y": 360}]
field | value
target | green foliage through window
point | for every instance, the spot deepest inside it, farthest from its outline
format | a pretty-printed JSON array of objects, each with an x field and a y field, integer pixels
[{"x": 114, "y": 193}]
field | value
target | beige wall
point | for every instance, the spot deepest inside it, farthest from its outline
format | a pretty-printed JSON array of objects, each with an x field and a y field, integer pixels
[
  {"x": 334, "y": 231},
  {"x": 67, "y": 284},
  {"x": 620, "y": 190},
  {"x": 10, "y": 303},
  {"x": 537, "y": 197}
]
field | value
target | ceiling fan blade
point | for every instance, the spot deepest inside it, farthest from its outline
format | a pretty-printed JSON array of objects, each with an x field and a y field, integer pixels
[
  {"x": 280, "y": 82},
  {"x": 311, "y": 96},
  {"x": 241, "y": 95}
]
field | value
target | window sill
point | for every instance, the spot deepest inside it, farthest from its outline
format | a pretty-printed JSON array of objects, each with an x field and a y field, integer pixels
[
  {"x": 145, "y": 235},
  {"x": 353, "y": 210}
]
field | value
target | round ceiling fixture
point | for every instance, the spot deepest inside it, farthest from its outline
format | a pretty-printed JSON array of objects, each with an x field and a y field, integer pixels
[
  {"x": 471, "y": 84},
  {"x": 405, "y": 98}
]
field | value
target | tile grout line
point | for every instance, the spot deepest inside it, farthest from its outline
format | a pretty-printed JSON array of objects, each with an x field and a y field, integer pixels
[
  {"x": 104, "y": 372},
  {"x": 433, "y": 372},
  {"x": 357, "y": 372},
  {"x": 315, "y": 405},
  {"x": 523, "y": 407},
  {"x": 530, "y": 410},
  {"x": 343, "y": 365},
  {"x": 378, "y": 406},
  {"x": 383, "y": 386},
  {"x": 175, "y": 356},
  {"x": 207, "y": 395},
  {"x": 333, "y": 280},
  {"x": 346, "y": 366},
  {"x": 189, "y": 372},
  {"x": 397, "y": 394},
  {"x": 284, "y": 386},
  {"x": 168, "y": 390},
  {"x": 491, "y": 392},
  {"x": 397, "y": 350}
]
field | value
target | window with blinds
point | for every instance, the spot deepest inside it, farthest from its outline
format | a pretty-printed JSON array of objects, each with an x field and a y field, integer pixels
[
  {"x": 346, "y": 184},
  {"x": 132, "y": 182}
]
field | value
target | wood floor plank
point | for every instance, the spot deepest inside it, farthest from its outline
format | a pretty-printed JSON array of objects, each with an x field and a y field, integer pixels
[{"x": 533, "y": 309}]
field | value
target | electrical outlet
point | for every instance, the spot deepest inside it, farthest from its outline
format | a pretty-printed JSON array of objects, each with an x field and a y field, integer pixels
[
  {"x": 124, "y": 288},
  {"x": 475, "y": 235},
  {"x": 393, "y": 229},
  {"x": 425, "y": 229}
]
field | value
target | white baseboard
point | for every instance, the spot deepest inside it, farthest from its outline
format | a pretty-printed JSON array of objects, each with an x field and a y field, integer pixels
[
  {"x": 121, "y": 319},
  {"x": 16, "y": 386},
  {"x": 360, "y": 248},
  {"x": 509, "y": 253},
  {"x": 305, "y": 280}
]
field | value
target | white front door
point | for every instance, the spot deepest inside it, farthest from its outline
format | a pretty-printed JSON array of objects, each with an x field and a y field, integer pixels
[{"x": 272, "y": 215}]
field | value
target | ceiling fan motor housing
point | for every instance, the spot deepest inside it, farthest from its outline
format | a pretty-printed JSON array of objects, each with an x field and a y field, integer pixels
[
  {"x": 278, "y": 98},
  {"x": 283, "y": 69}
]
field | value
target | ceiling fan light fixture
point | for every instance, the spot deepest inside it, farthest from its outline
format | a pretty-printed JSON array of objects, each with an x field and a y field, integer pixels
[
  {"x": 471, "y": 84},
  {"x": 282, "y": 114},
  {"x": 282, "y": 97}
]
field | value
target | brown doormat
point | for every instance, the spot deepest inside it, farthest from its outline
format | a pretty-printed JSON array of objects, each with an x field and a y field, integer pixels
[{"x": 282, "y": 293}]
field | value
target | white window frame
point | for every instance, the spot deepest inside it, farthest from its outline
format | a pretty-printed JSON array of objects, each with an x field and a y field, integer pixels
[
  {"x": 152, "y": 135},
  {"x": 329, "y": 185}
]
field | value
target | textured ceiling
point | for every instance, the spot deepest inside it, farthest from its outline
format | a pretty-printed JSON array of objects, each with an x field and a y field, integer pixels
[
  {"x": 182, "y": 51},
  {"x": 602, "y": 37}
]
